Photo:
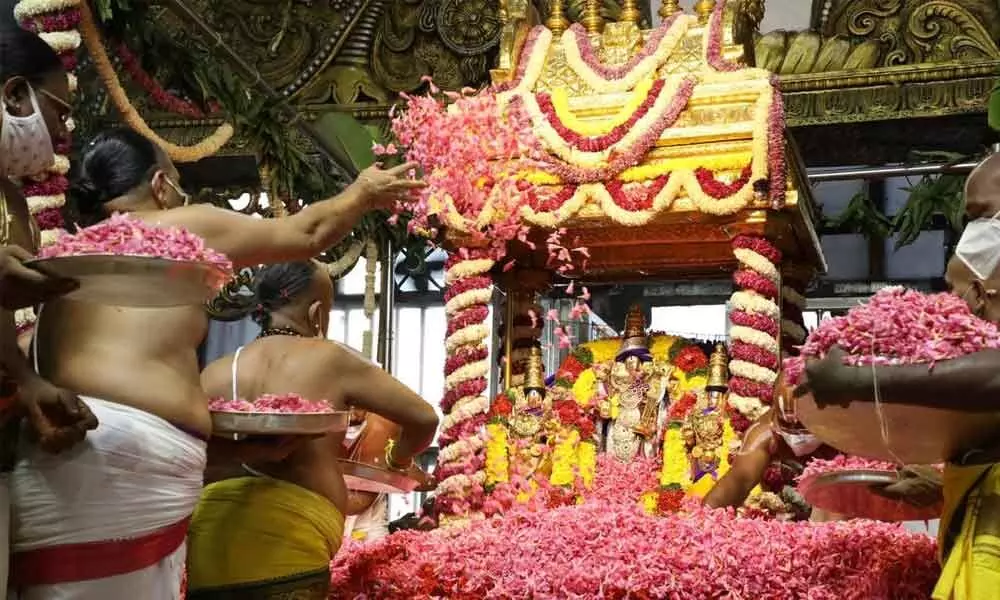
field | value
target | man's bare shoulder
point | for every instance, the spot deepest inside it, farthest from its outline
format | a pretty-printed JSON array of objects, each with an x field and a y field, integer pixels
[{"x": 185, "y": 216}]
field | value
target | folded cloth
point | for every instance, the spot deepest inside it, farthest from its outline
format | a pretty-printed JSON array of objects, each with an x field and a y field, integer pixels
[
  {"x": 106, "y": 519},
  {"x": 969, "y": 535},
  {"x": 260, "y": 538}
]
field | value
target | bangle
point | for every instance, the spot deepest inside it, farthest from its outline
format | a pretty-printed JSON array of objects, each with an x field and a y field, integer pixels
[{"x": 389, "y": 462}]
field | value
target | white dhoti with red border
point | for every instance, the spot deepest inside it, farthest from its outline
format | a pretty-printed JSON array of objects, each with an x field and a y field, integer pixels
[{"x": 106, "y": 520}]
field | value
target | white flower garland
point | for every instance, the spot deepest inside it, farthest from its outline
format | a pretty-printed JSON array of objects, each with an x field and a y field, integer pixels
[
  {"x": 60, "y": 166},
  {"x": 460, "y": 448},
  {"x": 751, "y": 408},
  {"x": 49, "y": 236},
  {"x": 468, "y": 299},
  {"x": 24, "y": 317},
  {"x": 32, "y": 8},
  {"x": 460, "y": 483},
  {"x": 644, "y": 68},
  {"x": 479, "y": 368},
  {"x": 752, "y": 336},
  {"x": 62, "y": 41},
  {"x": 348, "y": 260},
  {"x": 468, "y": 268},
  {"x": 753, "y": 372},
  {"x": 37, "y": 204},
  {"x": 467, "y": 336},
  {"x": 757, "y": 263},
  {"x": 539, "y": 52},
  {"x": 463, "y": 410},
  {"x": 754, "y": 303}
]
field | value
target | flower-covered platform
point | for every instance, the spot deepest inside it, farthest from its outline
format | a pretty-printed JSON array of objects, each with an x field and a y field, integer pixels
[{"x": 610, "y": 547}]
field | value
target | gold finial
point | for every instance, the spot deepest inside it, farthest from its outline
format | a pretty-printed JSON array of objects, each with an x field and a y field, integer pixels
[
  {"x": 534, "y": 376},
  {"x": 630, "y": 12},
  {"x": 669, "y": 8},
  {"x": 718, "y": 369},
  {"x": 704, "y": 9},
  {"x": 557, "y": 21},
  {"x": 592, "y": 16}
]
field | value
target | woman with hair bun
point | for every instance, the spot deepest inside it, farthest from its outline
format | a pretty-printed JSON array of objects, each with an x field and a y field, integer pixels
[
  {"x": 34, "y": 108},
  {"x": 131, "y": 491}
]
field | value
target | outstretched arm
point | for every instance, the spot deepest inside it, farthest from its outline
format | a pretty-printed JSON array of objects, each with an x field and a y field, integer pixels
[
  {"x": 747, "y": 470},
  {"x": 250, "y": 241},
  {"x": 971, "y": 382}
]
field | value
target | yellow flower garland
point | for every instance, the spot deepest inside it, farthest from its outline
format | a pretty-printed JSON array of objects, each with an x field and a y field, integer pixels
[
  {"x": 676, "y": 467},
  {"x": 586, "y": 461},
  {"x": 183, "y": 154},
  {"x": 560, "y": 104},
  {"x": 564, "y": 459},
  {"x": 497, "y": 460}
]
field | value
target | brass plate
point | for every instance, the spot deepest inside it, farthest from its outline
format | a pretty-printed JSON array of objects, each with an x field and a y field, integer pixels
[
  {"x": 850, "y": 493},
  {"x": 136, "y": 281},
  {"x": 360, "y": 477},
  {"x": 238, "y": 425}
]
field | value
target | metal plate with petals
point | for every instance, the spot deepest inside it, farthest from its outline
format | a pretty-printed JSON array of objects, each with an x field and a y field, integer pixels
[
  {"x": 237, "y": 425},
  {"x": 363, "y": 477},
  {"x": 136, "y": 281},
  {"x": 852, "y": 494}
]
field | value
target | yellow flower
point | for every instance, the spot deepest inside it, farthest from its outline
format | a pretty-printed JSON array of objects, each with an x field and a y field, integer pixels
[
  {"x": 586, "y": 460},
  {"x": 676, "y": 468},
  {"x": 649, "y": 502},
  {"x": 563, "y": 459},
  {"x": 497, "y": 462},
  {"x": 585, "y": 387}
]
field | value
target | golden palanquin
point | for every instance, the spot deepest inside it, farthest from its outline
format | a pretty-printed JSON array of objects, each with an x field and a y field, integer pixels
[{"x": 720, "y": 142}]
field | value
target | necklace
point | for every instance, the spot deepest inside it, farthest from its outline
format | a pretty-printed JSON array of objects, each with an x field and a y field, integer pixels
[{"x": 270, "y": 331}]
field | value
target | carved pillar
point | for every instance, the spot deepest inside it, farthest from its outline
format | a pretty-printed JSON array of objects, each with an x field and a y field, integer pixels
[
  {"x": 755, "y": 315},
  {"x": 630, "y": 12},
  {"x": 557, "y": 21},
  {"x": 704, "y": 9},
  {"x": 592, "y": 19},
  {"x": 669, "y": 8}
]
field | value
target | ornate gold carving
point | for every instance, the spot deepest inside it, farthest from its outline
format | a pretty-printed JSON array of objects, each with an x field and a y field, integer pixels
[
  {"x": 630, "y": 13},
  {"x": 704, "y": 8},
  {"x": 668, "y": 8}
]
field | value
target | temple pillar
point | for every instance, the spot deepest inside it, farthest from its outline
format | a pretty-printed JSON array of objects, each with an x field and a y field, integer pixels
[
  {"x": 522, "y": 323},
  {"x": 755, "y": 335}
]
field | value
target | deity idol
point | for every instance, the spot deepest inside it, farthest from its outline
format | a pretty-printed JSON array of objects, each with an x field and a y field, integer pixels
[
  {"x": 531, "y": 423},
  {"x": 631, "y": 391},
  {"x": 704, "y": 426}
]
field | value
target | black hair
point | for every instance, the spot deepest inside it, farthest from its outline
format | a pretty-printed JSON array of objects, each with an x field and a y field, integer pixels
[
  {"x": 24, "y": 54},
  {"x": 113, "y": 164},
  {"x": 278, "y": 285}
]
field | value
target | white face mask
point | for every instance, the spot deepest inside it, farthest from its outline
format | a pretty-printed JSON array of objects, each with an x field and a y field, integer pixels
[
  {"x": 801, "y": 443},
  {"x": 353, "y": 432},
  {"x": 979, "y": 247},
  {"x": 25, "y": 143}
]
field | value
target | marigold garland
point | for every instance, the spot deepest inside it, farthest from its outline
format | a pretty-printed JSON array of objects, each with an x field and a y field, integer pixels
[{"x": 105, "y": 70}]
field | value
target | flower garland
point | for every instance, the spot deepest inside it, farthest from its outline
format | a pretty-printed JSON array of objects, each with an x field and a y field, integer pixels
[
  {"x": 713, "y": 39},
  {"x": 55, "y": 21},
  {"x": 582, "y": 57},
  {"x": 467, "y": 309},
  {"x": 530, "y": 64},
  {"x": 164, "y": 99},
  {"x": 755, "y": 326},
  {"x": 105, "y": 70}
]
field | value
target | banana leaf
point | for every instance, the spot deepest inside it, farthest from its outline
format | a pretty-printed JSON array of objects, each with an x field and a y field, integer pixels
[{"x": 346, "y": 136}]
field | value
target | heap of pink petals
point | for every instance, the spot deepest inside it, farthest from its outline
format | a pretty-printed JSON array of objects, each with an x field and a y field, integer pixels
[
  {"x": 899, "y": 326},
  {"x": 271, "y": 403},
  {"x": 128, "y": 236},
  {"x": 603, "y": 550},
  {"x": 841, "y": 462}
]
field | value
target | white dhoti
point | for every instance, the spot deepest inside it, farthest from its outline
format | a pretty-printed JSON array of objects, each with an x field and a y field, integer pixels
[
  {"x": 370, "y": 525},
  {"x": 106, "y": 520}
]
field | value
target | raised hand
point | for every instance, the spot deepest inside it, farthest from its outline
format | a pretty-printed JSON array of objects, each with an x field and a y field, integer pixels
[
  {"x": 57, "y": 418},
  {"x": 383, "y": 188}
]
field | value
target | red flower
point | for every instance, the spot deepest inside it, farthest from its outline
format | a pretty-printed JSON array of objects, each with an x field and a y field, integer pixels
[
  {"x": 669, "y": 501},
  {"x": 568, "y": 412},
  {"x": 773, "y": 481},
  {"x": 501, "y": 406},
  {"x": 691, "y": 359},
  {"x": 586, "y": 427},
  {"x": 680, "y": 408}
]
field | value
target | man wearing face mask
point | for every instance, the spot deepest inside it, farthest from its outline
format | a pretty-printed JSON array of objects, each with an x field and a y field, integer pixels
[
  {"x": 775, "y": 439},
  {"x": 969, "y": 534},
  {"x": 272, "y": 532}
]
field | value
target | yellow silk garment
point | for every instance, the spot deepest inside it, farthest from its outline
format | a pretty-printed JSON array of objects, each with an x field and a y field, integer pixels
[
  {"x": 971, "y": 570},
  {"x": 259, "y": 529}
]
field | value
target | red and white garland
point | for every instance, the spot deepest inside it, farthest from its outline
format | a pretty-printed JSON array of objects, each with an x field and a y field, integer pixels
[
  {"x": 755, "y": 330},
  {"x": 460, "y": 472},
  {"x": 55, "y": 21}
]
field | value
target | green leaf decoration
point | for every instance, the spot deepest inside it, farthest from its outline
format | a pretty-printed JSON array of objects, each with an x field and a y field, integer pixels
[
  {"x": 993, "y": 109},
  {"x": 344, "y": 132}
]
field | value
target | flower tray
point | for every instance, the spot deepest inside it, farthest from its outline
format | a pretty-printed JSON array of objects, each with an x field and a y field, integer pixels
[{"x": 852, "y": 494}]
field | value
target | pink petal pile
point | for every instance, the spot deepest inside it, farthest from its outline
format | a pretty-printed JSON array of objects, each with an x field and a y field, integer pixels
[
  {"x": 899, "y": 326},
  {"x": 271, "y": 403},
  {"x": 841, "y": 462},
  {"x": 600, "y": 550},
  {"x": 128, "y": 236}
]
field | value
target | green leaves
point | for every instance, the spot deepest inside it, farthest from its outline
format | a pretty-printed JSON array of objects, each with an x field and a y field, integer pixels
[
  {"x": 348, "y": 138},
  {"x": 941, "y": 195},
  {"x": 862, "y": 216}
]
